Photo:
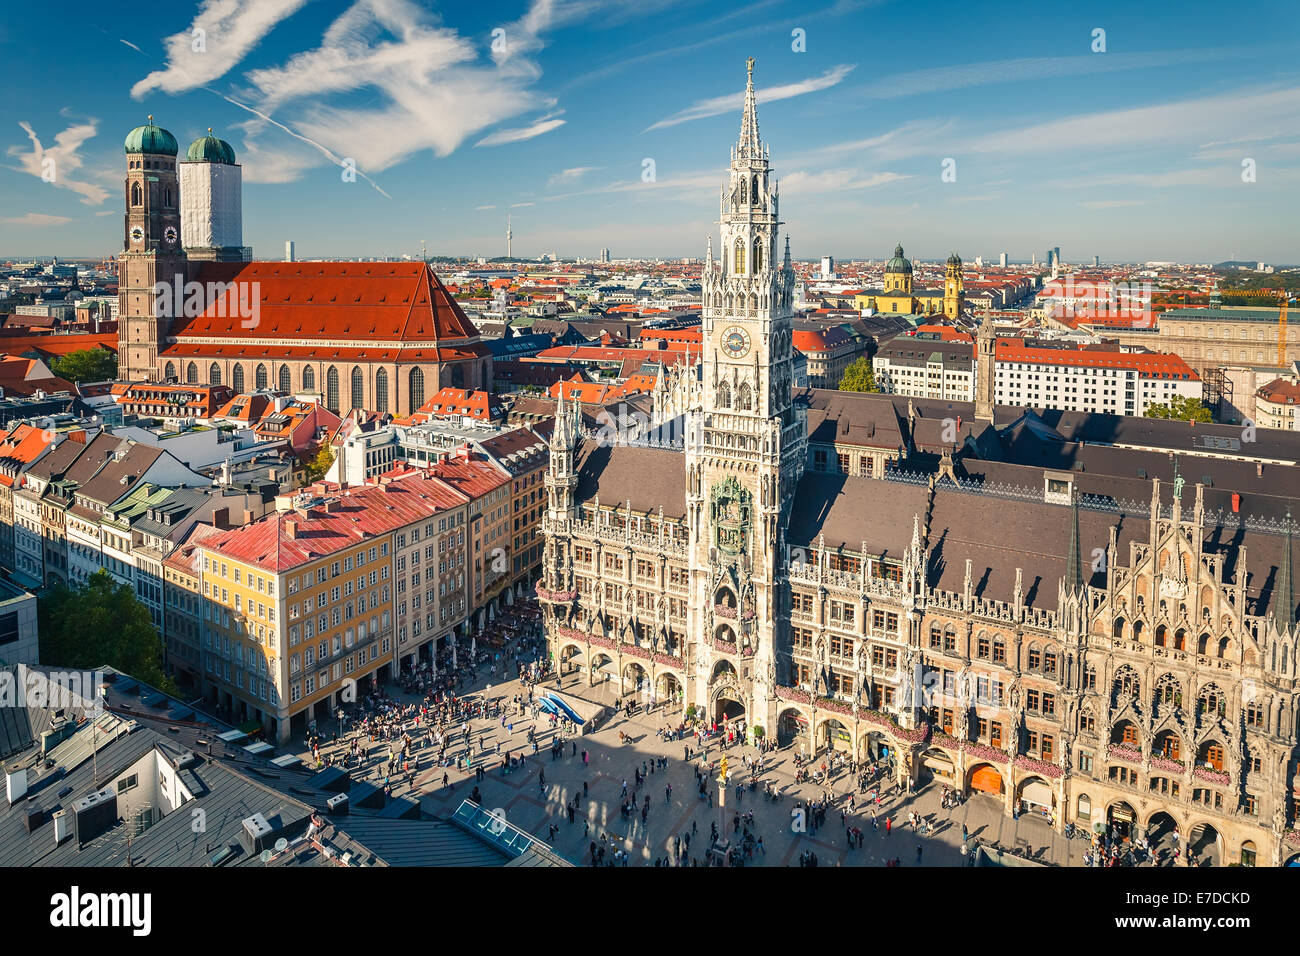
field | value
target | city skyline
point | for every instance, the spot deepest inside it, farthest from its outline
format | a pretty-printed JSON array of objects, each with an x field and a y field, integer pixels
[{"x": 545, "y": 114}]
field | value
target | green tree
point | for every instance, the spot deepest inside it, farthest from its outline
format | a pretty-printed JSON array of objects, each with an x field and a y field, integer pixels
[
  {"x": 319, "y": 463},
  {"x": 86, "y": 365},
  {"x": 859, "y": 377},
  {"x": 101, "y": 622},
  {"x": 1182, "y": 409}
]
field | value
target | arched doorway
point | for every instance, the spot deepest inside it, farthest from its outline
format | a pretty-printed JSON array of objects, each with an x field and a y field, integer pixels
[
  {"x": 1036, "y": 796},
  {"x": 570, "y": 660},
  {"x": 984, "y": 778},
  {"x": 875, "y": 746},
  {"x": 1162, "y": 835},
  {"x": 635, "y": 679},
  {"x": 936, "y": 763},
  {"x": 833, "y": 735},
  {"x": 1248, "y": 853},
  {"x": 791, "y": 725},
  {"x": 727, "y": 708},
  {"x": 602, "y": 668},
  {"x": 1204, "y": 846},
  {"x": 1120, "y": 818},
  {"x": 668, "y": 689}
]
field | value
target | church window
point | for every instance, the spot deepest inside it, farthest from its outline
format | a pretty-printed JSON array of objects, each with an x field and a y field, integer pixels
[
  {"x": 744, "y": 194},
  {"x": 286, "y": 384},
  {"x": 192, "y": 374},
  {"x": 740, "y": 257},
  {"x": 309, "y": 379},
  {"x": 758, "y": 254},
  {"x": 260, "y": 379},
  {"x": 744, "y": 398},
  {"x": 136, "y": 195},
  {"x": 332, "y": 389},
  {"x": 416, "y": 398},
  {"x": 358, "y": 387},
  {"x": 381, "y": 391},
  {"x": 753, "y": 191},
  {"x": 169, "y": 371},
  {"x": 724, "y": 395},
  {"x": 237, "y": 379},
  {"x": 214, "y": 374}
]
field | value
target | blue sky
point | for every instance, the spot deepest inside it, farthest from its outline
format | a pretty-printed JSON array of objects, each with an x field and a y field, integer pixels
[{"x": 458, "y": 114}]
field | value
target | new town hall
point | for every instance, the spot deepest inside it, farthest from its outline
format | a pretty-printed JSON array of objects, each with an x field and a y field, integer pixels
[{"x": 1088, "y": 617}]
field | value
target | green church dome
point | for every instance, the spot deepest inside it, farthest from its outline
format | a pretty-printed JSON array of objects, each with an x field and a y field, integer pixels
[
  {"x": 954, "y": 259},
  {"x": 151, "y": 139},
  {"x": 898, "y": 263},
  {"x": 209, "y": 149}
]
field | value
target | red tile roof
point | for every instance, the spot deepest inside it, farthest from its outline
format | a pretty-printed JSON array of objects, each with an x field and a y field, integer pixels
[
  {"x": 1148, "y": 364},
  {"x": 286, "y": 540},
  {"x": 385, "y": 303}
]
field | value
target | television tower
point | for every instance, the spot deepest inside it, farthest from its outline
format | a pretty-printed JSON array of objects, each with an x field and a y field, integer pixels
[{"x": 509, "y": 236}]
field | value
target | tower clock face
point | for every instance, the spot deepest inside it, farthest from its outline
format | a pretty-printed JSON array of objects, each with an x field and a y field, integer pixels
[
  {"x": 735, "y": 342},
  {"x": 136, "y": 233},
  {"x": 169, "y": 235}
]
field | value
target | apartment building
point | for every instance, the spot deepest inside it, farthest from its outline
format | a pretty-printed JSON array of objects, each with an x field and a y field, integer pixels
[
  {"x": 926, "y": 368},
  {"x": 1089, "y": 379}
]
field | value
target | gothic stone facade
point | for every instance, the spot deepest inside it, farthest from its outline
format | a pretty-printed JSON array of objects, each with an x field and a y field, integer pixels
[{"x": 1103, "y": 666}]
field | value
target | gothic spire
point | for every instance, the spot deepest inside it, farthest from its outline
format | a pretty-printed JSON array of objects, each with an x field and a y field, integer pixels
[
  {"x": 749, "y": 147},
  {"x": 1284, "y": 602},
  {"x": 1073, "y": 560}
]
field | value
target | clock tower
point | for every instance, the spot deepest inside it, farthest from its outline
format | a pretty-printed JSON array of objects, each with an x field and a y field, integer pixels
[
  {"x": 746, "y": 444},
  {"x": 151, "y": 251}
]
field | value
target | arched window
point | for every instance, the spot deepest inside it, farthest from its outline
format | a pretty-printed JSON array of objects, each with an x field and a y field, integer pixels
[
  {"x": 286, "y": 384},
  {"x": 192, "y": 374},
  {"x": 753, "y": 190},
  {"x": 1126, "y": 682},
  {"x": 381, "y": 391},
  {"x": 260, "y": 379},
  {"x": 740, "y": 257},
  {"x": 1211, "y": 701},
  {"x": 723, "y": 398},
  {"x": 214, "y": 374},
  {"x": 744, "y": 191},
  {"x": 416, "y": 391},
  {"x": 744, "y": 398},
  {"x": 137, "y": 198},
  {"x": 332, "y": 389},
  {"x": 758, "y": 254},
  {"x": 169, "y": 371},
  {"x": 358, "y": 387},
  {"x": 237, "y": 379},
  {"x": 167, "y": 197},
  {"x": 309, "y": 379}
]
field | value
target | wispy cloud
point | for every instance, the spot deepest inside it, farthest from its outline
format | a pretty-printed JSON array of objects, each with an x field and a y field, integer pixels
[
  {"x": 943, "y": 78},
  {"x": 483, "y": 208},
  {"x": 503, "y": 136},
  {"x": 834, "y": 180},
  {"x": 131, "y": 45},
  {"x": 57, "y": 163},
  {"x": 569, "y": 176},
  {"x": 36, "y": 219},
  {"x": 521, "y": 205},
  {"x": 222, "y": 34},
  {"x": 734, "y": 101}
]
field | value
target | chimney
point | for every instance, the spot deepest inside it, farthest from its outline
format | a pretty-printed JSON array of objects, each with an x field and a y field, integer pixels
[
  {"x": 221, "y": 518},
  {"x": 16, "y": 785},
  {"x": 291, "y": 528},
  {"x": 333, "y": 505}
]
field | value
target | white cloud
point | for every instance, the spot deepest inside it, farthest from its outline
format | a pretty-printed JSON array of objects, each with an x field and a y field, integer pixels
[
  {"x": 834, "y": 180},
  {"x": 567, "y": 176},
  {"x": 521, "y": 205},
  {"x": 230, "y": 29},
  {"x": 61, "y": 160},
  {"x": 36, "y": 219},
  {"x": 504, "y": 136},
  {"x": 733, "y": 102},
  {"x": 483, "y": 208}
]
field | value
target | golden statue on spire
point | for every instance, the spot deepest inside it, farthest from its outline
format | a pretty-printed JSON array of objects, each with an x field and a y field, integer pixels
[{"x": 749, "y": 63}]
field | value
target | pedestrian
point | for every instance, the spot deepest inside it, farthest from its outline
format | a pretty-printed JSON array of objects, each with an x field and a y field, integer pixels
[{"x": 889, "y": 822}]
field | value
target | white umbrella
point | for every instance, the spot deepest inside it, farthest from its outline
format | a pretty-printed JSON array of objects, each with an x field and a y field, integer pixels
[
  {"x": 510, "y": 598},
  {"x": 473, "y": 648},
  {"x": 453, "y": 655},
  {"x": 492, "y": 612}
]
